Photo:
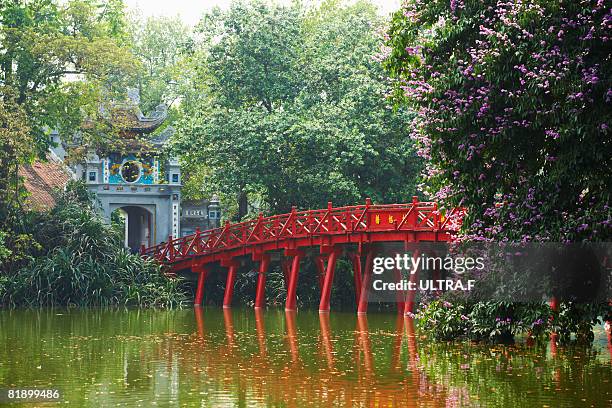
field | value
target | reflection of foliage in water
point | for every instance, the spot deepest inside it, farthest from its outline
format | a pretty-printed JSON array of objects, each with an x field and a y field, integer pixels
[{"x": 503, "y": 375}]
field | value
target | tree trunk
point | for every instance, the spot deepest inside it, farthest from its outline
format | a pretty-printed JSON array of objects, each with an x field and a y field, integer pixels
[{"x": 243, "y": 204}]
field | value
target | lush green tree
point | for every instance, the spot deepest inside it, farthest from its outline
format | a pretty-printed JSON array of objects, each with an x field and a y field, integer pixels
[
  {"x": 513, "y": 102},
  {"x": 160, "y": 44},
  {"x": 58, "y": 63},
  {"x": 16, "y": 147},
  {"x": 56, "y": 57},
  {"x": 291, "y": 109}
]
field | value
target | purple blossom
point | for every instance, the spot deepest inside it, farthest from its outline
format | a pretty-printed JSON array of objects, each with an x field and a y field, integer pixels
[
  {"x": 414, "y": 50},
  {"x": 552, "y": 134}
]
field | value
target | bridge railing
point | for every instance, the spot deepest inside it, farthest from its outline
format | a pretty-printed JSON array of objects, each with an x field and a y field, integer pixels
[{"x": 415, "y": 216}]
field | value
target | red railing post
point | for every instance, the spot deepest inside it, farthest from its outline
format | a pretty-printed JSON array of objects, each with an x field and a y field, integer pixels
[
  {"x": 436, "y": 215},
  {"x": 309, "y": 223},
  {"x": 414, "y": 214},
  {"x": 170, "y": 248},
  {"x": 195, "y": 242},
  {"x": 291, "y": 301},
  {"x": 328, "y": 281},
  {"x": 260, "y": 294}
]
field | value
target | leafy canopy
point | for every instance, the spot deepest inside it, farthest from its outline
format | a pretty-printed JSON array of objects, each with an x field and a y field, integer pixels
[
  {"x": 513, "y": 111},
  {"x": 291, "y": 111}
]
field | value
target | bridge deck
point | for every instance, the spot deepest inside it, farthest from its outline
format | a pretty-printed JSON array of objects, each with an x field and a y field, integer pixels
[{"x": 328, "y": 229}]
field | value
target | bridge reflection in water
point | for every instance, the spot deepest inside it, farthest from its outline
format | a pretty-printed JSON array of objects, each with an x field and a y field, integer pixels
[
  {"x": 240, "y": 357},
  {"x": 289, "y": 380}
]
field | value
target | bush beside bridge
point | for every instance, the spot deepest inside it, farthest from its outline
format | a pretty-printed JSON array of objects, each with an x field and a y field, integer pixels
[{"x": 76, "y": 259}]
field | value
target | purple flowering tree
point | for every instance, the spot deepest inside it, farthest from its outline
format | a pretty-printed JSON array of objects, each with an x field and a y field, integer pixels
[{"x": 512, "y": 103}]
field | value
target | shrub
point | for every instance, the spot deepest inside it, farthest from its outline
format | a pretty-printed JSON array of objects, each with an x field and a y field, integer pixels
[
  {"x": 494, "y": 320},
  {"x": 83, "y": 262}
]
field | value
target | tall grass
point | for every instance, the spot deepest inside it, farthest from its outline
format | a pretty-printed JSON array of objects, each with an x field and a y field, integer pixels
[{"x": 83, "y": 263}]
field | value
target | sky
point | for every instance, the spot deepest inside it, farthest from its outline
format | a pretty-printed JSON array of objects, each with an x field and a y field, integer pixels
[{"x": 191, "y": 10}]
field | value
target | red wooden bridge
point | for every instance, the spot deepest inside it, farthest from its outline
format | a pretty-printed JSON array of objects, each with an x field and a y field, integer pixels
[{"x": 352, "y": 231}]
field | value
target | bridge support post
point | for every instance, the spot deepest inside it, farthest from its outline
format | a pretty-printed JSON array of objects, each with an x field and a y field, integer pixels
[
  {"x": 260, "y": 294},
  {"x": 199, "y": 296},
  {"x": 229, "y": 283},
  {"x": 328, "y": 281},
  {"x": 291, "y": 302},
  {"x": 362, "y": 306}
]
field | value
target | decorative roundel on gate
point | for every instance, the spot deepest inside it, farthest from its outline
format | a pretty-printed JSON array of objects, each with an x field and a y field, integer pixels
[{"x": 131, "y": 171}]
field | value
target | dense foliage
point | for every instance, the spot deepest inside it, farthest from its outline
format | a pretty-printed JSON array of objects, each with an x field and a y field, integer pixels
[
  {"x": 512, "y": 103},
  {"x": 161, "y": 45},
  {"x": 80, "y": 260},
  {"x": 275, "y": 106},
  {"x": 59, "y": 62},
  {"x": 290, "y": 110},
  {"x": 496, "y": 320},
  {"x": 514, "y": 107}
]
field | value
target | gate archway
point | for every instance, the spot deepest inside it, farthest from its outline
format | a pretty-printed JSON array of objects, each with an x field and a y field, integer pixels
[{"x": 139, "y": 224}]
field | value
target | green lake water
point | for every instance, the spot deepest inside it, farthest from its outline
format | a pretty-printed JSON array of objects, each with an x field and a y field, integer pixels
[{"x": 239, "y": 358}]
